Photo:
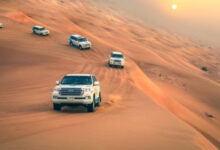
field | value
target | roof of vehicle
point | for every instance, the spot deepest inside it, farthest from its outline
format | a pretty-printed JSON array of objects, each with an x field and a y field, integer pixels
[
  {"x": 78, "y": 74},
  {"x": 77, "y": 36},
  {"x": 38, "y": 26},
  {"x": 119, "y": 53}
]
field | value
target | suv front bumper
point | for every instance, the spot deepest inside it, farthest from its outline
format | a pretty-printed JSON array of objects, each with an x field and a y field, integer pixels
[
  {"x": 71, "y": 100},
  {"x": 86, "y": 46},
  {"x": 116, "y": 63}
]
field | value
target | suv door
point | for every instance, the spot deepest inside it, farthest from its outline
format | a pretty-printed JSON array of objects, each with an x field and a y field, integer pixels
[
  {"x": 74, "y": 41},
  {"x": 37, "y": 31},
  {"x": 96, "y": 88}
]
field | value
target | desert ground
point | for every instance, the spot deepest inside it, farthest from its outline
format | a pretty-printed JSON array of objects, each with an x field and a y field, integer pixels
[{"x": 162, "y": 100}]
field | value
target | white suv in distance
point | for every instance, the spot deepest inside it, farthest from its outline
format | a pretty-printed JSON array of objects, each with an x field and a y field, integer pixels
[
  {"x": 1, "y": 25},
  {"x": 77, "y": 89},
  {"x": 40, "y": 30},
  {"x": 116, "y": 59},
  {"x": 79, "y": 41}
]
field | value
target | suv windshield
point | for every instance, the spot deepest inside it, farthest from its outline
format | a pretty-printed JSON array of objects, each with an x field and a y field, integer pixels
[
  {"x": 117, "y": 56},
  {"x": 77, "y": 80},
  {"x": 41, "y": 29},
  {"x": 82, "y": 40}
]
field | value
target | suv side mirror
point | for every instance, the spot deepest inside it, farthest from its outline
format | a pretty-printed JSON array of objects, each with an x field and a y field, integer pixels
[
  {"x": 96, "y": 83},
  {"x": 57, "y": 82}
]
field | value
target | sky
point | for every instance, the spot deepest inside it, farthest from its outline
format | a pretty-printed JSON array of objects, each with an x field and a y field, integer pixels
[{"x": 197, "y": 19}]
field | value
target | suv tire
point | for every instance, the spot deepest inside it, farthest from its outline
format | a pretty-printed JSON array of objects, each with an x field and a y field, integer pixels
[
  {"x": 57, "y": 106},
  {"x": 99, "y": 102},
  {"x": 91, "y": 107},
  {"x": 80, "y": 47},
  {"x": 71, "y": 43}
]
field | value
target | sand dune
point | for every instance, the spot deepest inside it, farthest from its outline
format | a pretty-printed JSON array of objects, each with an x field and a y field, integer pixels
[{"x": 161, "y": 100}]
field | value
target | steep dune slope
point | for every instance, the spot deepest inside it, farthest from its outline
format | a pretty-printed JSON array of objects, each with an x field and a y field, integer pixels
[{"x": 162, "y": 70}]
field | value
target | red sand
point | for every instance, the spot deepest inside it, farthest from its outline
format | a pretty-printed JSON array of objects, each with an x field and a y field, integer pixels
[{"x": 161, "y": 100}]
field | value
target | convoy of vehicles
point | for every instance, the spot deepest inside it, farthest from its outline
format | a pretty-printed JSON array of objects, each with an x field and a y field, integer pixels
[
  {"x": 79, "y": 41},
  {"x": 116, "y": 59},
  {"x": 40, "y": 30},
  {"x": 77, "y": 89}
]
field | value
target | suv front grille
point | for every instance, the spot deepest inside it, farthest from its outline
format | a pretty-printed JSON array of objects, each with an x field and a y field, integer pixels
[
  {"x": 71, "y": 92},
  {"x": 117, "y": 60}
]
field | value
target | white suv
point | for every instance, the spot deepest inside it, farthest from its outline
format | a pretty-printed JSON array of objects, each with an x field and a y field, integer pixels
[
  {"x": 77, "y": 89},
  {"x": 40, "y": 30},
  {"x": 1, "y": 25},
  {"x": 79, "y": 41},
  {"x": 116, "y": 59}
]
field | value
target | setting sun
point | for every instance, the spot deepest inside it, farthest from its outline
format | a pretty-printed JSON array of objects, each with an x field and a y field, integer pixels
[{"x": 174, "y": 6}]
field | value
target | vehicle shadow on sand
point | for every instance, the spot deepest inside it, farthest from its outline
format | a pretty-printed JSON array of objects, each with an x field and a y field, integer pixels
[
  {"x": 75, "y": 109},
  {"x": 75, "y": 47}
]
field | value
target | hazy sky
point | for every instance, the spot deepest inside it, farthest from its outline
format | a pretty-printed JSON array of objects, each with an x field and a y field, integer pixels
[{"x": 199, "y": 19}]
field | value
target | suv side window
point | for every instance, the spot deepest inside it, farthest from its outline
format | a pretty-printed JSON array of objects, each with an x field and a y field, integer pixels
[{"x": 74, "y": 38}]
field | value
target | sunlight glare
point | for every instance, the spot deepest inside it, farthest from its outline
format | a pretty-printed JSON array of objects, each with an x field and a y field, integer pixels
[{"x": 174, "y": 6}]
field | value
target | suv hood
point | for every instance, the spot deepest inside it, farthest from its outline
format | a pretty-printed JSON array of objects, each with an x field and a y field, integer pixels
[
  {"x": 45, "y": 31},
  {"x": 73, "y": 86},
  {"x": 85, "y": 43},
  {"x": 112, "y": 58}
]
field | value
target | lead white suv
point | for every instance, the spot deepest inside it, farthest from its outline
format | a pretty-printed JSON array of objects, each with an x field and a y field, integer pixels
[
  {"x": 116, "y": 59},
  {"x": 77, "y": 89},
  {"x": 40, "y": 30},
  {"x": 79, "y": 41}
]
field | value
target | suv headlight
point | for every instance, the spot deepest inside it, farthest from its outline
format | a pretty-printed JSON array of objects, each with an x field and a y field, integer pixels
[
  {"x": 56, "y": 90},
  {"x": 87, "y": 91}
]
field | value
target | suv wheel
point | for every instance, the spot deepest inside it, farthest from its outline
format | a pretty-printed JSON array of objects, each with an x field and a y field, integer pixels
[
  {"x": 91, "y": 107},
  {"x": 80, "y": 47},
  {"x": 56, "y": 106},
  {"x": 71, "y": 43},
  {"x": 99, "y": 102}
]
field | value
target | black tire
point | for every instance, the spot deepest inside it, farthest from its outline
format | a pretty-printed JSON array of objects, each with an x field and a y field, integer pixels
[
  {"x": 71, "y": 43},
  {"x": 91, "y": 107},
  {"x": 80, "y": 47},
  {"x": 99, "y": 102},
  {"x": 57, "y": 106},
  {"x": 122, "y": 67}
]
